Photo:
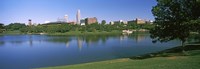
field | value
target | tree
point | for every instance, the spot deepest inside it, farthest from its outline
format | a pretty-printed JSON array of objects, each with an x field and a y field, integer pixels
[
  {"x": 1, "y": 27},
  {"x": 103, "y": 22},
  {"x": 172, "y": 19},
  {"x": 195, "y": 25},
  {"x": 15, "y": 26}
]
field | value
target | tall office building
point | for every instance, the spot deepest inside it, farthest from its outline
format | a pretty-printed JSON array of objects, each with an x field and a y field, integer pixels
[{"x": 78, "y": 17}]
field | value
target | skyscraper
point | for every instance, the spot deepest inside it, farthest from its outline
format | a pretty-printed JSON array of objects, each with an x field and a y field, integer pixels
[{"x": 78, "y": 17}]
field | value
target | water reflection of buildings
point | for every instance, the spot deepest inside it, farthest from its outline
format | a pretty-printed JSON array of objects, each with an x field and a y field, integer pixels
[
  {"x": 89, "y": 40},
  {"x": 85, "y": 41},
  {"x": 137, "y": 37},
  {"x": 30, "y": 40},
  {"x": 123, "y": 37},
  {"x": 140, "y": 37},
  {"x": 79, "y": 43},
  {"x": 33, "y": 39},
  {"x": 67, "y": 44}
]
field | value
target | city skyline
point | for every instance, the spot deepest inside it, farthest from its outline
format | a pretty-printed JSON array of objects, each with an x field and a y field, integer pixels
[{"x": 40, "y": 11}]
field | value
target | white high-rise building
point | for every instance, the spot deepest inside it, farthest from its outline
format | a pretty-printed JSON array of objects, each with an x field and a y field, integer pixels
[{"x": 78, "y": 17}]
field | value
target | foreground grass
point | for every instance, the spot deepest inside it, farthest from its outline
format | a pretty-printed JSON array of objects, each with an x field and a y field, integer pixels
[{"x": 171, "y": 60}]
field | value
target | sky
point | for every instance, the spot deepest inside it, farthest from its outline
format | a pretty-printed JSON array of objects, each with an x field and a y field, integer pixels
[{"x": 39, "y": 11}]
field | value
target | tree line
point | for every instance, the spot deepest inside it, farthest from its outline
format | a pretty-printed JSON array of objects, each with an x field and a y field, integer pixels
[{"x": 65, "y": 27}]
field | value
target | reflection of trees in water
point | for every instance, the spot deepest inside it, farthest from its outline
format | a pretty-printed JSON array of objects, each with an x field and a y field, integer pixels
[
  {"x": 139, "y": 36},
  {"x": 16, "y": 42},
  {"x": 80, "y": 42},
  {"x": 96, "y": 38},
  {"x": 30, "y": 40},
  {"x": 88, "y": 40},
  {"x": 59, "y": 39},
  {"x": 91, "y": 39},
  {"x": 80, "y": 39},
  {"x": 16, "y": 39},
  {"x": 2, "y": 43},
  {"x": 12, "y": 42}
]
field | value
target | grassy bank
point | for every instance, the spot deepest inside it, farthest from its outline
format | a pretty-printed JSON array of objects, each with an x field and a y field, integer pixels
[
  {"x": 87, "y": 33},
  {"x": 71, "y": 33},
  {"x": 169, "y": 59},
  {"x": 11, "y": 33}
]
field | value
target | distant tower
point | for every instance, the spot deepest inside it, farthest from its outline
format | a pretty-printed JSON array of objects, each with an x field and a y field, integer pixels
[
  {"x": 66, "y": 18},
  {"x": 78, "y": 17},
  {"x": 29, "y": 22}
]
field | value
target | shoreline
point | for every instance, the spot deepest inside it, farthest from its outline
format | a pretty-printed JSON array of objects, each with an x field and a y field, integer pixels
[
  {"x": 67, "y": 33},
  {"x": 76, "y": 33}
]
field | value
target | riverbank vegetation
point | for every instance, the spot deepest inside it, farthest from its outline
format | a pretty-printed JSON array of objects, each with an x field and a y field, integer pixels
[{"x": 65, "y": 28}]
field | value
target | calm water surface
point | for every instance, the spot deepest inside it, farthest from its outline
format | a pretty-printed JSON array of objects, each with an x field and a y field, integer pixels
[{"x": 34, "y": 51}]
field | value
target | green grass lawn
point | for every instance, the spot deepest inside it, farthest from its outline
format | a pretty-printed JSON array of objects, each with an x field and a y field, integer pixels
[
  {"x": 175, "y": 60},
  {"x": 11, "y": 33}
]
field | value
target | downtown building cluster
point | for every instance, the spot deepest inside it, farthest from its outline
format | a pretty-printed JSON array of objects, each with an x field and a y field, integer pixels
[
  {"x": 79, "y": 20},
  {"x": 91, "y": 20}
]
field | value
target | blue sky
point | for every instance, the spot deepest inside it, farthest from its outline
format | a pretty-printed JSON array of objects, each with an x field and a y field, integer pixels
[{"x": 49, "y": 10}]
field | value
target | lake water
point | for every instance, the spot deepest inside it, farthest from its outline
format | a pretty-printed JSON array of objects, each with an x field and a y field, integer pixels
[{"x": 35, "y": 51}]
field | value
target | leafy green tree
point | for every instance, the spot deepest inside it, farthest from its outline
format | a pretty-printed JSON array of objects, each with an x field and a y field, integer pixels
[
  {"x": 172, "y": 19},
  {"x": 15, "y": 26},
  {"x": 195, "y": 25},
  {"x": 148, "y": 26},
  {"x": 131, "y": 25},
  {"x": 24, "y": 30},
  {"x": 1, "y": 27},
  {"x": 103, "y": 22},
  {"x": 102, "y": 25}
]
